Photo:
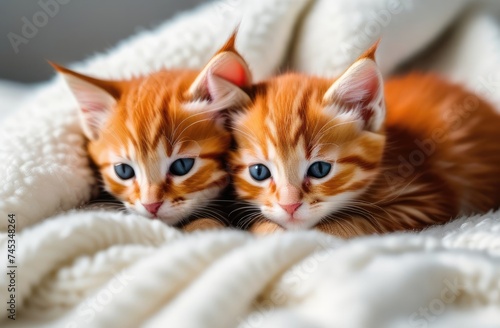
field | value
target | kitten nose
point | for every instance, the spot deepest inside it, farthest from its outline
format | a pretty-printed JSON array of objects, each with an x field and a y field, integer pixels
[
  {"x": 153, "y": 207},
  {"x": 291, "y": 208}
]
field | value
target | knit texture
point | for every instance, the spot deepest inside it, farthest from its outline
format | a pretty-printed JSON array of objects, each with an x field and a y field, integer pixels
[{"x": 87, "y": 268}]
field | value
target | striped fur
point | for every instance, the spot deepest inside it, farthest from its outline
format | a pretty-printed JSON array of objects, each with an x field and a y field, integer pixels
[
  {"x": 150, "y": 122},
  {"x": 436, "y": 155}
]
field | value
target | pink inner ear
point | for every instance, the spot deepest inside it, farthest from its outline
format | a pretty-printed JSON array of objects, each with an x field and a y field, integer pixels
[
  {"x": 362, "y": 90},
  {"x": 364, "y": 87},
  {"x": 360, "y": 86},
  {"x": 88, "y": 106},
  {"x": 234, "y": 73},
  {"x": 372, "y": 87}
]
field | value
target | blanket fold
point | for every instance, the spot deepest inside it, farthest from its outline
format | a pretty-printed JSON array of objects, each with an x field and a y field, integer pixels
[
  {"x": 148, "y": 274},
  {"x": 98, "y": 268}
]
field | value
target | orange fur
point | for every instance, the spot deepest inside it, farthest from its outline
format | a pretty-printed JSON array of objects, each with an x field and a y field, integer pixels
[
  {"x": 149, "y": 123},
  {"x": 149, "y": 117},
  {"x": 436, "y": 157}
]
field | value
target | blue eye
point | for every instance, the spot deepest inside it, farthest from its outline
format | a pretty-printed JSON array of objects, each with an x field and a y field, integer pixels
[
  {"x": 259, "y": 172},
  {"x": 319, "y": 170},
  {"x": 182, "y": 166},
  {"x": 124, "y": 171}
]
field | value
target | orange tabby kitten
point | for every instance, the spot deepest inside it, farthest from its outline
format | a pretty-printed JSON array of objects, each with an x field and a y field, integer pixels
[
  {"x": 159, "y": 141},
  {"x": 346, "y": 157}
]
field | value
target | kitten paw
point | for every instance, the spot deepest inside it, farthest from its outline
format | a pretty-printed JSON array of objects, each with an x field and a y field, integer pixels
[
  {"x": 265, "y": 227},
  {"x": 203, "y": 224}
]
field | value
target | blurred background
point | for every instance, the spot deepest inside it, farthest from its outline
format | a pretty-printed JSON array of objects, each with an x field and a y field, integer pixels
[{"x": 71, "y": 30}]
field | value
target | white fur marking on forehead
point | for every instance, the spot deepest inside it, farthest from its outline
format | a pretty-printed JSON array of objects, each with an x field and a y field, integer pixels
[
  {"x": 154, "y": 166},
  {"x": 131, "y": 127},
  {"x": 269, "y": 123},
  {"x": 271, "y": 150},
  {"x": 295, "y": 126}
]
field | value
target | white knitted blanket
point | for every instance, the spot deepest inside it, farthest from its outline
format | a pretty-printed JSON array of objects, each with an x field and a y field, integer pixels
[{"x": 109, "y": 269}]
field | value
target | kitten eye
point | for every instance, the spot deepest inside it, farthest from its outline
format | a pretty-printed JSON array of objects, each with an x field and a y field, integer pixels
[
  {"x": 259, "y": 172},
  {"x": 319, "y": 170},
  {"x": 182, "y": 166},
  {"x": 124, "y": 171}
]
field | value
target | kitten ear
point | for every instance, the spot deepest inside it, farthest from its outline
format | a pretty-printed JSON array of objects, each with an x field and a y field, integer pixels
[
  {"x": 359, "y": 92},
  {"x": 222, "y": 79},
  {"x": 96, "y": 99}
]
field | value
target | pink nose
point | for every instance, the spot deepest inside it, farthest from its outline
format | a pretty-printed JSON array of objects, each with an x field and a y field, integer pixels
[
  {"x": 153, "y": 207},
  {"x": 291, "y": 208}
]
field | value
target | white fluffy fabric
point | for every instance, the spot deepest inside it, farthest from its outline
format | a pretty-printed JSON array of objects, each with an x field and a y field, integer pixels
[{"x": 107, "y": 269}]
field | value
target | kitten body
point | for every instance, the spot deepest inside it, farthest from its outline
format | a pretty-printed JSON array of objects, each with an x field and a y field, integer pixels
[{"x": 351, "y": 159}]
